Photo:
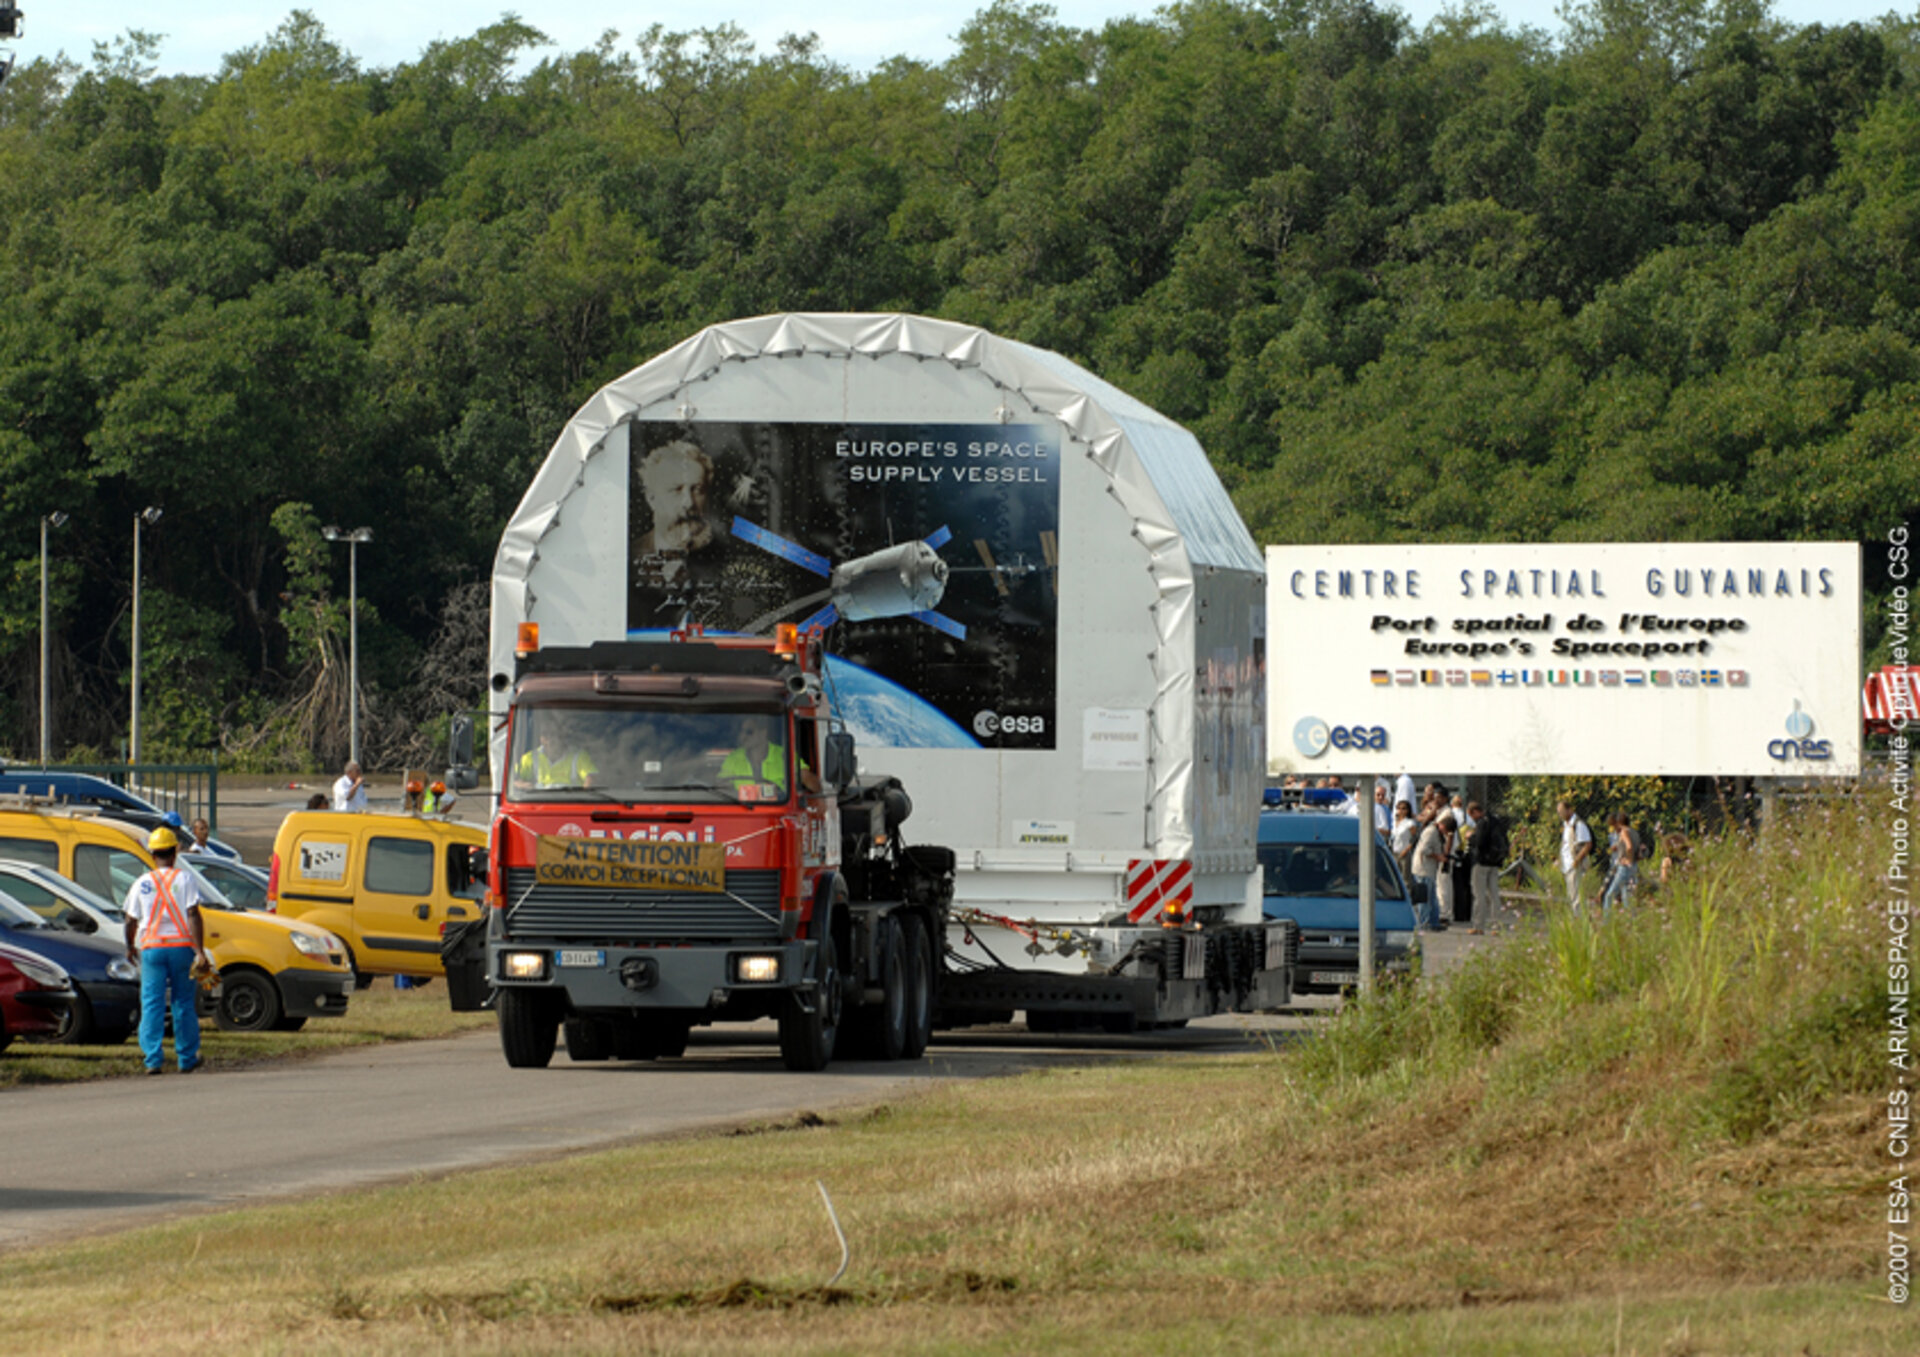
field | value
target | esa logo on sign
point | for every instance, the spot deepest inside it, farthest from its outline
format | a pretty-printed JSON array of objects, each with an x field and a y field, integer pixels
[
  {"x": 1799, "y": 743},
  {"x": 987, "y": 724},
  {"x": 1312, "y": 737}
]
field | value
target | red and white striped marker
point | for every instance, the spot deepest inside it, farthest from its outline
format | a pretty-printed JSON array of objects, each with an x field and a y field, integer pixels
[{"x": 1157, "y": 885}]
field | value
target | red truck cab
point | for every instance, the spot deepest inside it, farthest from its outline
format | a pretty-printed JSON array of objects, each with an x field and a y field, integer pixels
[{"x": 667, "y": 849}]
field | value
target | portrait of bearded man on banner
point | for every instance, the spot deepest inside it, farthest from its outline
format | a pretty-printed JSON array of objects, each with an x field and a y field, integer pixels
[{"x": 676, "y": 480}]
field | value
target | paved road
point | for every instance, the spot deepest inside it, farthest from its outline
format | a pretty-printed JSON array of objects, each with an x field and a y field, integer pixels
[{"x": 393, "y": 1112}]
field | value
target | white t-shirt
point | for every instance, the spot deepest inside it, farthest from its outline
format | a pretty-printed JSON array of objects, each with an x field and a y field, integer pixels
[
  {"x": 1382, "y": 818},
  {"x": 143, "y": 900},
  {"x": 1403, "y": 836},
  {"x": 1430, "y": 854},
  {"x": 346, "y": 796},
  {"x": 1573, "y": 833}
]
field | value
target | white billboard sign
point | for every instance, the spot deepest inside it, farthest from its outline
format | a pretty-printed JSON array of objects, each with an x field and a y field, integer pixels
[{"x": 1736, "y": 658}]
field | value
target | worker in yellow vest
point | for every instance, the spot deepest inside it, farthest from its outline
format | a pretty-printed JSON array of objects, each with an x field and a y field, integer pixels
[
  {"x": 553, "y": 764},
  {"x": 756, "y": 762},
  {"x": 165, "y": 937}
]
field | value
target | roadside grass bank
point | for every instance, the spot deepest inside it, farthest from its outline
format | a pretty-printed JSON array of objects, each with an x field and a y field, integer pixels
[
  {"x": 1653, "y": 1133},
  {"x": 373, "y": 1017}
]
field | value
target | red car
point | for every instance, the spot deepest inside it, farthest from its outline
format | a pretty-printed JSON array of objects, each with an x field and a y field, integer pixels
[{"x": 34, "y": 995}]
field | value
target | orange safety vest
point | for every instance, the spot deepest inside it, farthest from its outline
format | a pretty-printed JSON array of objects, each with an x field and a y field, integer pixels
[{"x": 166, "y": 924}]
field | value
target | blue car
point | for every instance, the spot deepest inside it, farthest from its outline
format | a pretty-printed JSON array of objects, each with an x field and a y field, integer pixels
[
  {"x": 1309, "y": 866},
  {"x": 107, "y": 1005},
  {"x": 84, "y": 789}
]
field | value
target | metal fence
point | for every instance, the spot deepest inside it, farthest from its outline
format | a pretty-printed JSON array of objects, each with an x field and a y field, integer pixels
[{"x": 192, "y": 789}]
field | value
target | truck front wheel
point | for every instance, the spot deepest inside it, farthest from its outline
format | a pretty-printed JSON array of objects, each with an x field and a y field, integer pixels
[
  {"x": 807, "y": 1032},
  {"x": 529, "y": 1027}
]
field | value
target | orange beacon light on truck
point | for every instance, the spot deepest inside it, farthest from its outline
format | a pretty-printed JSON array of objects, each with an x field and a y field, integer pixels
[{"x": 526, "y": 638}]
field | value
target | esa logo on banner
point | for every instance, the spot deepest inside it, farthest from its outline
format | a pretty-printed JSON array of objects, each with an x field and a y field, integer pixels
[{"x": 1313, "y": 737}]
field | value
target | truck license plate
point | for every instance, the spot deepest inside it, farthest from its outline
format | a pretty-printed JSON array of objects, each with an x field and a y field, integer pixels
[
  {"x": 1322, "y": 977},
  {"x": 581, "y": 956}
]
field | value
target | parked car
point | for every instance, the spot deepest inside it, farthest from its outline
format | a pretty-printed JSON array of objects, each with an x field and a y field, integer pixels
[
  {"x": 1309, "y": 861},
  {"x": 61, "y": 902},
  {"x": 389, "y": 884},
  {"x": 244, "y": 887},
  {"x": 84, "y": 789},
  {"x": 274, "y": 973},
  {"x": 35, "y": 995},
  {"x": 106, "y": 1005}
]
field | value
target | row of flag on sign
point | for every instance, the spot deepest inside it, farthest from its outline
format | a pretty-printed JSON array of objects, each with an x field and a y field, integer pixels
[{"x": 1560, "y": 678}]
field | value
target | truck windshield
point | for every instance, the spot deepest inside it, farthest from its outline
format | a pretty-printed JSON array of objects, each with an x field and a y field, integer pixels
[{"x": 624, "y": 754}]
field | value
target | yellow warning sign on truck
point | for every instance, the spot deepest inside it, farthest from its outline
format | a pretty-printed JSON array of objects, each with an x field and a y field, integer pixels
[{"x": 631, "y": 864}]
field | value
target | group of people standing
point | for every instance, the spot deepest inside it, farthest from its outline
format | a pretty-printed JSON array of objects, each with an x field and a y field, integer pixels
[
  {"x": 1450, "y": 845},
  {"x": 1458, "y": 850}
]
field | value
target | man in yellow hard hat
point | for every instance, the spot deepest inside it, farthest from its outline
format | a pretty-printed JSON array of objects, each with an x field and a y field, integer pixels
[{"x": 165, "y": 938}]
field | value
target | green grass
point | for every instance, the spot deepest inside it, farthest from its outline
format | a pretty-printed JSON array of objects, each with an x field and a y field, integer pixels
[
  {"x": 373, "y": 1016},
  {"x": 1655, "y": 1132}
]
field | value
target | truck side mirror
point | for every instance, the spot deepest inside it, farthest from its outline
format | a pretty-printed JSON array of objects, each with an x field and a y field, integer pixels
[
  {"x": 840, "y": 763},
  {"x": 460, "y": 740}
]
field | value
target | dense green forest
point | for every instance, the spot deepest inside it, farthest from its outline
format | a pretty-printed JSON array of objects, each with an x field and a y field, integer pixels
[{"x": 1650, "y": 277}]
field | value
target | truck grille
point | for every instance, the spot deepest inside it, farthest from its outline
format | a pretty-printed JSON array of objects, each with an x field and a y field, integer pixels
[{"x": 576, "y": 912}]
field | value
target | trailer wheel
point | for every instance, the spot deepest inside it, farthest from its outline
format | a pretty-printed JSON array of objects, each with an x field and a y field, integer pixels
[
  {"x": 529, "y": 1028},
  {"x": 919, "y": 949},
  {"x": 879, "y": 1031},
  {"x": 587, "y": 1039},
  {"x": 806, "y": 1038}
]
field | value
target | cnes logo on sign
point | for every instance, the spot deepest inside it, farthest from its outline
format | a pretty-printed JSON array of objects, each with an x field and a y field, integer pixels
[
  {"x": 1799, "y": 743},
  {"x": 1313, "y": 737}
]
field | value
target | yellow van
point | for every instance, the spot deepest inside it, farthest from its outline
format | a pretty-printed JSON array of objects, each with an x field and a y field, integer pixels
[
  {"x": 274, "y": 973},
  {"x": 388, "y": 884}
]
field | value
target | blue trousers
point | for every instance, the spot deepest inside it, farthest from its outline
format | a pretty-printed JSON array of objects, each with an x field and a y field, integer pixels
[
  {"x": 164, "y": 971},
  {"x": 1428, "y": 915},
  {"x": 1620, "y": 887}
]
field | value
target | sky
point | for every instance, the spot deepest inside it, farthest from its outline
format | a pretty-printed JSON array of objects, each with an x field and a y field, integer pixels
[{"x": 857, "y": 34}]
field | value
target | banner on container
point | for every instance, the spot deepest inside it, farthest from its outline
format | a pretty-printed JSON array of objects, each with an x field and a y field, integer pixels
[
  {"x": 738, "y": 526},
  {"x": 1728, "y": 658}
]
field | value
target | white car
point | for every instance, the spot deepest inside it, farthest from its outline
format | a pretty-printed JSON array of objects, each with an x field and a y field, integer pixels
[
  {"x": 59, "y": 901},
  {"x": 67, "y": 904}
]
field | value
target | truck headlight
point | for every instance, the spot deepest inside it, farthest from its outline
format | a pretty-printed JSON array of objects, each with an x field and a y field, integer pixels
[
  {"x": 121, "y": 969},
  {"x": 308, "y": 943},
  {"x": 756, "y": 970},
  {"x": 523, "y": 965}
]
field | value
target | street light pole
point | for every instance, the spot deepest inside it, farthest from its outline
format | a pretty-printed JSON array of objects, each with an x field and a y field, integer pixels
[
  {"x": 353, "y": 539},
  {"x": 52, "y": 520},
  {"x": 148, "y": 516}
]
